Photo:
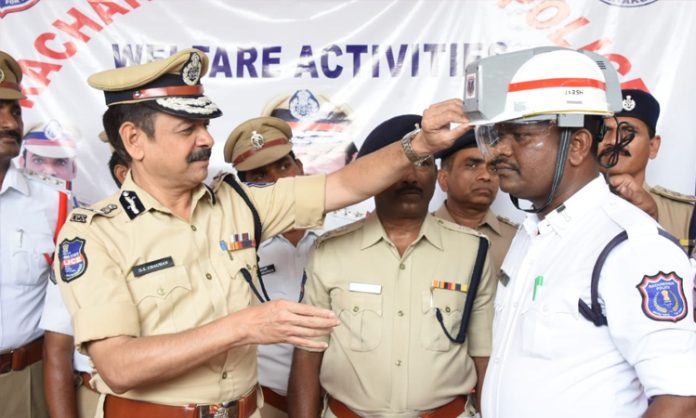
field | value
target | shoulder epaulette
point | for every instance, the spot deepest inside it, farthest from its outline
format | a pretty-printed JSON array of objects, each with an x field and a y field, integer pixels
[
  {"x": 340, "y": 231},
  {"x": 86, "y": 214},
  {"x": 672, "y": 195},
  {"x": 507, "y": 221},
  {"x": 458, "y": 228},
  {"x": 219, "y": 180}
]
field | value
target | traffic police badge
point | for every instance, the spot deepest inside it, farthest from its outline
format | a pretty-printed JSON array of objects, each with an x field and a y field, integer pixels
[
  {"x": 73, "y": 261},
  {"x": 663, "y": 297}
]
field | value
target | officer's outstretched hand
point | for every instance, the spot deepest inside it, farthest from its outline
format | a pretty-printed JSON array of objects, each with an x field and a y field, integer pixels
[
  {"x": 436, "y": 132},
  {"x": 282, "y": 321},
  {"x": 628, "y": 188}
]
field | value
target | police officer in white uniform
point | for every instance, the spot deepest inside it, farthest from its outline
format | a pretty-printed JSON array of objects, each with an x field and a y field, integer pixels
[
  {"x": 282, "y": 258},
  {"x": 28, "y": 217},
  {"x": 566, "y": 344}
]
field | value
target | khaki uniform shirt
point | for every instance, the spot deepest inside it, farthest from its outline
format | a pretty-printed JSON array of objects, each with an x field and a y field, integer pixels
[
  {"x": 499, "y": 230},
  {"x": 390, "y": 354},
  {"x": 674, "y": 211},
  {"x": 133, "y": 268}
]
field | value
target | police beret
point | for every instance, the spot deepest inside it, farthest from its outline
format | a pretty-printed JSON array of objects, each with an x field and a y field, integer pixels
[
  {"x": 50, "y": 140},
  {"x": 468, "y": 140},
  {"x": 10, "y": 78},
  {"x": 258, "y": 142},
  {"x": 640, "y": 105},
  {"x": 171, "y": 85},
  {"x": 389, "y": 131}
]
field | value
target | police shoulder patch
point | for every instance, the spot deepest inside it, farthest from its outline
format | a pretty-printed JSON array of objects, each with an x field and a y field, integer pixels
[
  {"x": 73, "y": 261},
  {"x": 672, "y": 195},
  {"x": 663, "y": 297}
]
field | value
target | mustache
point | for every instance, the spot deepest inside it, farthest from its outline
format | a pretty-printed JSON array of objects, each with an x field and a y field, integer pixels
[
  {"x": 409, "y": 188},
  {"x": 12, "y": 134},
  {"x": 202, "y": 154},
  {"x": 493, "y": 164}
]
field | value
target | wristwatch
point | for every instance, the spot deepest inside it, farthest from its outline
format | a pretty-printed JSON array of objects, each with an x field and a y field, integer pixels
[{"x": 408, "y": 148}]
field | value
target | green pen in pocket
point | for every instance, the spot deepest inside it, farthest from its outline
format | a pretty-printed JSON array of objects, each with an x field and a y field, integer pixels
[{"x": 538, "y": 281}]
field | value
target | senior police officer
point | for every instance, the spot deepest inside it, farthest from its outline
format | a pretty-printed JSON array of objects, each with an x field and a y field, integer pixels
[
  {"x": 638, "y": 117},
  {"x": 28, "y": 218},
  {"x": 471, "y": 187},
  {"x": 414, "y": 294},
  {"x": 157, "y": 276},
  {"x": 592, "y": 317},
  {"x": 282, "y": 258}
]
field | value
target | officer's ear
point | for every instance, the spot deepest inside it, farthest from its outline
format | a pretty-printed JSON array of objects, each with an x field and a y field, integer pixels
[
  {"x": 442, "y": 179},
  {"x": 132, "y": 138},
  {"x": 655, "y": 146},
  {"x": 580, "y": 147}
]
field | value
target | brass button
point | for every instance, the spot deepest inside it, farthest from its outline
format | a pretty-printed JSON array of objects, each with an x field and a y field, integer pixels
[
  {"x": 400, "y": 313},
  {"x": 447, "y": 309},
  {"x": 160, "y": 291},
  {"x": 193, "y": 228},
  {"x": 208, "y": 276},
  {"x": 355, "y": 309},
  {"x": 402, "y": 266},
  {"x": 224, "y": 375},
  {"x": 398, "y": 363}
]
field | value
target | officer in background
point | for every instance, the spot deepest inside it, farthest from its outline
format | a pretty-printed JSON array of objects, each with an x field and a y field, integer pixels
[
  {"x": 158, "y": 276},
  {"x": 405, "y": 285},
  {"x": 282, "y": 258},
  {"x": 28, "y": 218},
  {"x": 638, "y": 116},
  {"x": 471, "y": 187},
  {"x": 568, "y": 342},
  {"x": 49, "y": 148}
]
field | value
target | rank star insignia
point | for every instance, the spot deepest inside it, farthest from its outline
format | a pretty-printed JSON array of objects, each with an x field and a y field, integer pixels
[
  {"x": 628, "y": 103},
  {"x": 257, "y": 140},
  {"x": 191, "y": 72}
]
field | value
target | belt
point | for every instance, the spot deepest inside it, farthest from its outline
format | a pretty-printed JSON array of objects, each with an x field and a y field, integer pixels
[
  {"x": 449, "y": 410},
  {"x": 117, "y": 407},
  {"x": 275, "y": 399},
  {"x": 22, "y": 357},
  {"x": 86, "y": 379}
]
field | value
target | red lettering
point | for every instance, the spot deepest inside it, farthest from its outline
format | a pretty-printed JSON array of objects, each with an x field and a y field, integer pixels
[
  {"x": 38, "y": 70},
  {"x": 40, "y": 45},
  {"x": 106, "y": 9},
  {"x": 560, "y": 12},
  {"x": 622, "y": 63},
  {"x": 133, "y": 3},
  {"x": 558, "y": 36},
  {"x": 73, "y": 29}
]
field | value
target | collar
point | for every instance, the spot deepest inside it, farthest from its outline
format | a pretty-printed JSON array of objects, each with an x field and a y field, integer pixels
[
  {"x": 144, "y": 201},
  {"x": 373, "y": 232},
  {"x": 15, "y": 180},
  {"x": 308, "y": 233},
  {"x": 589, "y": 197},
  {"x": 489, "y": 219}
]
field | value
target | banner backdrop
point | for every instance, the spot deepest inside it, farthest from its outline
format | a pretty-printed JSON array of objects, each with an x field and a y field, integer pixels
[{"x": 335, "y": 69}]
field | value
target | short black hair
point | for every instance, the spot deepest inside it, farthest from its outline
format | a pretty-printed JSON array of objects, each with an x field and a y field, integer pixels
[
  {"x": 138, "y": 113},
  {"x": 241, "y": 175}
]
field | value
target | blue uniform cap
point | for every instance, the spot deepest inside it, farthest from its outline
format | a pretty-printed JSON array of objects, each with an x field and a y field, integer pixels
[
  {"x": 468, "y": 140},
  {"x": 389, "y": 131},
  {"x": 640, "y": 105}
]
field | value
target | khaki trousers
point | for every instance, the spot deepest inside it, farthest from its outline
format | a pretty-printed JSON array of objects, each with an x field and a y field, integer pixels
[{"x": 22, "y": 393}]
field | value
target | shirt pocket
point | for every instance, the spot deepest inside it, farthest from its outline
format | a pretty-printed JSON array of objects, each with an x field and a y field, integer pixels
[
  {"x": 361, "y": 315},
  {"x": 156, "y": 296},
  {"x": 451, "y": 305},
  {"x": 550, "y": 327},
  {"x": 32, "y": 248}
]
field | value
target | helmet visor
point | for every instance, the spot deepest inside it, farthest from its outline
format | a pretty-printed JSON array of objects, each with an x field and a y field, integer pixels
[{"x": 528, "y": 132}]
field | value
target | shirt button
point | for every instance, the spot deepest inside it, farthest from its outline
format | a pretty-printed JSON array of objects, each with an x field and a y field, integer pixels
[
  {"x": 355, "y": 308},
  {"x": 398, "y": 363},
  {"x": 402, "y": 266},
  {"x": 447, "y": 309},
  {"x": 193, "y": 228},
  {"x": 400, "y": 313},
  {"x": 160, "y": 291},
  {"x": 224, "y": 375},
  {"x": 208, "y": 276}
]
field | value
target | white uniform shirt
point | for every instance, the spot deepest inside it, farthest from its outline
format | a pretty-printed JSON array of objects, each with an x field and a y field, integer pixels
[
  {"x": 56, "y": 318},
  {"x": 28, "y": 213},
  {"x": 282, "y": 267},
  {"x": 548, "y": 360}
]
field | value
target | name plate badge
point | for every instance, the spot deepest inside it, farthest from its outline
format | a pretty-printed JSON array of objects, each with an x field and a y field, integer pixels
[{"x": 375, "y": 289}]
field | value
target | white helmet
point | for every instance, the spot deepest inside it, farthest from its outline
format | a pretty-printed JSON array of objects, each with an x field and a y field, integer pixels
[{"x": 540, "y": 81}]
